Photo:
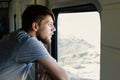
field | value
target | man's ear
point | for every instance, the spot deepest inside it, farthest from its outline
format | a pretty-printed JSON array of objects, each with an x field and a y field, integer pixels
[{"x": 34, "y": 26}]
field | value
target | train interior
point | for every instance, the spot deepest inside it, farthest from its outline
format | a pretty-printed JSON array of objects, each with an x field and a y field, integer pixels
[{"x": 86, "y": 42}]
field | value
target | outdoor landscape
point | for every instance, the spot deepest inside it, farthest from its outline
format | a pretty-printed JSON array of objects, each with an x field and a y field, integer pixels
[{"x": 79, "y": 58}]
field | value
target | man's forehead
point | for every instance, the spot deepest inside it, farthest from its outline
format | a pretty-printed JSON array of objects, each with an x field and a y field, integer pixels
[{"x": 48, "y": 19}]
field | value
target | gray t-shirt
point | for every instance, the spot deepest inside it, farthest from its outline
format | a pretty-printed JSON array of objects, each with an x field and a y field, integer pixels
[{"x": 17, "y": 52}]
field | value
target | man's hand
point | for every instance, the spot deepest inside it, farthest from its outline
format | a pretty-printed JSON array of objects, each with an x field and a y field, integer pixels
[{"x": 44, "y": 75}]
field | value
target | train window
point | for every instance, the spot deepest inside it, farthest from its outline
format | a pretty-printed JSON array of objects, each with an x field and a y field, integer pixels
[{"x": 76, "y": 44}]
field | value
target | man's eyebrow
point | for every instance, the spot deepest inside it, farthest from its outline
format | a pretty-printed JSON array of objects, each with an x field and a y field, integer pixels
[{"x": 49, "y": 21}]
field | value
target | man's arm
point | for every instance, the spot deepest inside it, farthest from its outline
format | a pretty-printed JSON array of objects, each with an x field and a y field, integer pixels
[
  {"x": 54, "y": 69},
  {"x": 44, "y": 75}
]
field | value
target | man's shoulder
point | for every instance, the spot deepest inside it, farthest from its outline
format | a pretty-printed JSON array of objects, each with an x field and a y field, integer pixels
[{"x": 22, "y": 36}]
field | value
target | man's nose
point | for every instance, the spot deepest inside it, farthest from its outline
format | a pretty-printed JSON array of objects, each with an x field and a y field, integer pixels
[{"x": 53, "y": 29}]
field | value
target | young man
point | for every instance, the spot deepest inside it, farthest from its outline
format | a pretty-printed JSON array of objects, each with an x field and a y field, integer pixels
[{"x": 19, "y": 49}]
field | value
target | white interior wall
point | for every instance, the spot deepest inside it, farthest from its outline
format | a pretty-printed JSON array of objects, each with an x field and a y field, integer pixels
[{"x": 110, "y": 40}]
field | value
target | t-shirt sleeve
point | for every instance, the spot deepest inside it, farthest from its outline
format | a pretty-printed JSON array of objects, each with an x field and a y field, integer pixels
[{"x": 31, "y": 50}]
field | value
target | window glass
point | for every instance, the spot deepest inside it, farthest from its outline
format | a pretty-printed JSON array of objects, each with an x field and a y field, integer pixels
[{"x": 79, "y": 44}]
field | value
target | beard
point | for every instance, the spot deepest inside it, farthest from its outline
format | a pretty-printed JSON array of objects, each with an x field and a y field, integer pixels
[{"x": 45, "y": 41}]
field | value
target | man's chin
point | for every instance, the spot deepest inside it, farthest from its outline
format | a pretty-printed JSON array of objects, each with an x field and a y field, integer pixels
[{"x": 47, "y": 41}]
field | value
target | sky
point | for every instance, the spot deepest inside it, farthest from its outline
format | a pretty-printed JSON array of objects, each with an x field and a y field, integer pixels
[{"x": 83, "y": 25}]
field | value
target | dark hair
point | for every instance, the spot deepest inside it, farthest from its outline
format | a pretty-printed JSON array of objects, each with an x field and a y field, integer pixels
[{"x": 34, "y": 13}]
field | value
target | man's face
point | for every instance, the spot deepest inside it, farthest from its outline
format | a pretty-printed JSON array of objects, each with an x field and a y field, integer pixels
[{"x": 46, "y": 30}]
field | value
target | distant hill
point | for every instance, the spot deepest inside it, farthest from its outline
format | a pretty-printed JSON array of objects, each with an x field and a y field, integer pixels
[{"x": 75, "y": 54}]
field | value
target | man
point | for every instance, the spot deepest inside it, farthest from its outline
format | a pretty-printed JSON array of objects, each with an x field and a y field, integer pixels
[{"x": 19, "y": 49}]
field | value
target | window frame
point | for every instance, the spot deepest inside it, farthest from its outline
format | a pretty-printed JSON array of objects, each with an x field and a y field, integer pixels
[{"x": 71, "y": 9}]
